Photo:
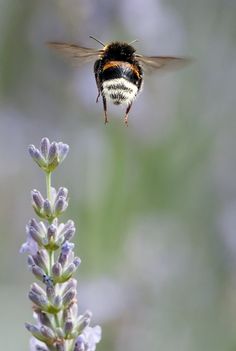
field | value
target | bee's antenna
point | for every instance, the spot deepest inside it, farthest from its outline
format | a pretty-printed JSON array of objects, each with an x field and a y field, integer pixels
[
  {"x": 133, "y": 41},
  {"x": 96, "y": 40}
]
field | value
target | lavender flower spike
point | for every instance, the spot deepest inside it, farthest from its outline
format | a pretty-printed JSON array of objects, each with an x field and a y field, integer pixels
[
  {"x": 53, "y": 263},
  {"x": 49, "y": 155}
]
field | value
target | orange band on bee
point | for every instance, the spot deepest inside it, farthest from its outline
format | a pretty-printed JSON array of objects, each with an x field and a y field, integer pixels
[{"x": 123, "y": 64}]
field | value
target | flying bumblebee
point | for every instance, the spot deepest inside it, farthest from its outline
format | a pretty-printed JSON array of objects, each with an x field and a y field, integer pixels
[{"x": 118, "y": 69}]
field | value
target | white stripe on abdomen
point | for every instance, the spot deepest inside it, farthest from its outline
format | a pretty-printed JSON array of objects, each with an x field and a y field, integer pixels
[{"x": 119, "y": 91}]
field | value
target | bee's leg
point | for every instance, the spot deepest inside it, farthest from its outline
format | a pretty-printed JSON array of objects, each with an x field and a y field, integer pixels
[
  {"x": 105, "y": 109},
  {"x": 99, "y": 93},
  {"x": 127, "y": 113}
]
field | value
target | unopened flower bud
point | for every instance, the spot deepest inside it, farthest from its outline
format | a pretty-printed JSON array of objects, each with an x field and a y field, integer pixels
[
  {"x": 37, "y": 289},
  {"x": 84, "y": 321},
  {"x": 30, "y": 261},
  {"x": 37, "y": 201},
  {"x": 57, "y": 303},
  {"x": 35, "y": 331},
  {"x": 68, "y": 298},
  {"x": 39, "y": 300},
  {"x": 68, "y": 326},
  {"x": 72, "y": 283},
  {"x": 36, "y": 156},
  {"x": 47, "y": 208},
  {"x": 42, "y": 259},
  {"x": 48, "y": 333},
  {"x": 35, "y": 235},
  {"x": 53, "y": 152},
  {"x": 77, "y": 261},
  {"x": 43, "y": 318},
  {"x": 56, "y": 270},
  {"x": 44, "y": 147},
  {"x": 38, "y": 272},
  {"x": 62, "y": 192},
  {"x": 63, "y": 150},
  {"x": 51, "y": 232},
  {"x": 66, "y": 249},
  {"x": 60, "y": 206},
  {"x": 33, "y": 223},
  {"x": 50, "y": 290},
  {"x": 68, "y": 272}
]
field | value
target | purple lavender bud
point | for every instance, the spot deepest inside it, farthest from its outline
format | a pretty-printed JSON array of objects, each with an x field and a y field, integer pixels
[
  {"x": 53, "y": 152},
  {"x": 77, "y": 261},
  {"x": 69, "y": 233},
  {"x": 48, "y": 333},
  {"x": 53, "y": 158},
  {"x": 68, "y": 326},
  {"x": 44, "y": 319},
  {"x": 62, "y": 192},
  {"x": 69, "y": 224},
  {"x": 37, "y": 200},
  {"x": 63, "y": 150},
  {"x": 35, "y": 235},
  {"x": 51, "y": 232},
  {"x": 79, "y": 344},
  {"x": 67, "y": 230},
  {"x": 57, "y": 303},
  {"x": 38, "y": 272},
  {"x": 39, "y": 300},
  {"x": 44, "y": 147},
  {"x": 34, "y": 224},
  {"x": 37, "y": 289},
  {"x": 84, "y": 321},
  {"x": 71, "y": 268},
  {"x": 47, "y": 208},
  {"x": 60, "y": 206},
  {"x": 66, "y": 249},
  {"x": 69, "y": 297},
  {"x": 36, "y": 345},
  {"x": 42, "y": 259},
  {"x": 50, "y": 290},
  {"x": 62, "y": 259},
  {"x": 71, "y": 284},
  {"x": 35, "y": 331},
  {"x": 30, "y": 261},
  {"x": 36, "y": 156},
  {"x": 56, "y": 270}
]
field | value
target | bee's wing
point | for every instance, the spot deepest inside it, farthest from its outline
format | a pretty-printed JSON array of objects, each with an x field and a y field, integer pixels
[
  {"x": 75, "y": 53},
  {"x": 151, "y": 63}
]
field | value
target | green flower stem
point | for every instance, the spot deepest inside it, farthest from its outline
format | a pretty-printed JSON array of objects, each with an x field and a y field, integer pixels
[
  {"x": 48, "y": 190},
  {"x": 57, "y": 322},
  {"x": 48, "y": 184}
]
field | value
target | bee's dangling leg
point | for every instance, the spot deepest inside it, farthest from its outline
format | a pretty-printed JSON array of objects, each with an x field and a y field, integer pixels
[
  {"x": 99, "y": 93},
  {"x": 105, "y": 110},
  {"x": 126, "y": 114}
]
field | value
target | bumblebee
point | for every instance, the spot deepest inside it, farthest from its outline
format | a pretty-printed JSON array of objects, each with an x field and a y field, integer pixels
[{"x": 118, "y": 69}]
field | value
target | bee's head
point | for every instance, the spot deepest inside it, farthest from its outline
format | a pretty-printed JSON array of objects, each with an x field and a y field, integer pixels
[{"x": 118, "y": 51}]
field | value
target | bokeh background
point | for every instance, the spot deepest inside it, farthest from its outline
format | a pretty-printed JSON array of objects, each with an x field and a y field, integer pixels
[{"x": 154, "y": 203}]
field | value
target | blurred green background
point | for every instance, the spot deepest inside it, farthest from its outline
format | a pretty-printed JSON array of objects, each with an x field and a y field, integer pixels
[{"x": 154, "y": 203}]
